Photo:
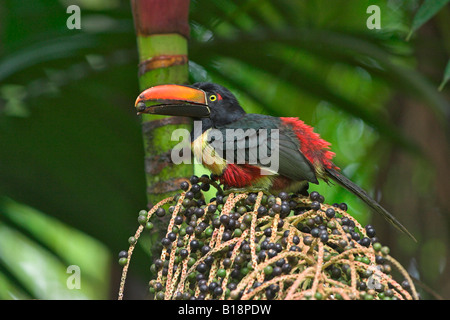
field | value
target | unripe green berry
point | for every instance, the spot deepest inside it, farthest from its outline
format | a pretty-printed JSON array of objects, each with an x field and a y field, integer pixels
[{"x": 123, "y": 261}]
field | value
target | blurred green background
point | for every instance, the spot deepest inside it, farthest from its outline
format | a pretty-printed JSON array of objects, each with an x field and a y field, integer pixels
[{"x": 72, "y": 175}]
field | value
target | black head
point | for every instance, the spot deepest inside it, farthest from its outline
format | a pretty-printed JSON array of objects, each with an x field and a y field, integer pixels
[{"x": 223, "y": 105}]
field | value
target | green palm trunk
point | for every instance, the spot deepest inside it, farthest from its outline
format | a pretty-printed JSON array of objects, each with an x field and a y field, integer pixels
[{"x": 162, "y": 31}]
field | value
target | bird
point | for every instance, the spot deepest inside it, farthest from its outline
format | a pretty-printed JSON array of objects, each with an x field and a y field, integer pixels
[{"x": 230, "y": 143}]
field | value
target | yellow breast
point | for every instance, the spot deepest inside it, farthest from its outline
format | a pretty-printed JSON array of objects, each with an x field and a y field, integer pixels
[{"x": 206, "y": 155}]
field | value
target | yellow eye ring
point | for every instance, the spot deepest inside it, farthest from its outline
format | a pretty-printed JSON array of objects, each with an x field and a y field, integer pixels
[{"x": 213, "y": 98}]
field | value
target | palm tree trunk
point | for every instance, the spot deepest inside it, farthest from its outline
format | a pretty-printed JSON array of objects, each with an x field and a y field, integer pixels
[{"x": 162, "y": 32}]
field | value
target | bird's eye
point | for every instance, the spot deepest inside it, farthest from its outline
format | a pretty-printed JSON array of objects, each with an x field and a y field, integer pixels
[{"x": 213, "y": 97}]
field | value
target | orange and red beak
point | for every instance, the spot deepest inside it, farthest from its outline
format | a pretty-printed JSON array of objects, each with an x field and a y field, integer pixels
[{"x": 173, "y": 100}]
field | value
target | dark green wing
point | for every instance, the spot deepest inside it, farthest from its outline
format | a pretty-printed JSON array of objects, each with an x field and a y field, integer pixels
[{"x": 260, "y": 140}]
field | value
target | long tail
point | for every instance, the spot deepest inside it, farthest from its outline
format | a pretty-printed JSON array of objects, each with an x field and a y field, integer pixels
[{"x": 352, "y": 187}]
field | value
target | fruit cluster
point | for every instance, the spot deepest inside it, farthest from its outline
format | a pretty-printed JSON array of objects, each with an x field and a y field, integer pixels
[{"x": 263, "y": 246}]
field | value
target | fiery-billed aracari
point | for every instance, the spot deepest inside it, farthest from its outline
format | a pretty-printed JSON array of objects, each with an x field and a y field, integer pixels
[{"x": 303, "y": 157}]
